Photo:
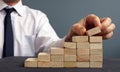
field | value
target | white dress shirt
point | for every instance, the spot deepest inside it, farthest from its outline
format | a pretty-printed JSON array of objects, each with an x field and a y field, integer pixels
[{"x": 32, "y": 31}]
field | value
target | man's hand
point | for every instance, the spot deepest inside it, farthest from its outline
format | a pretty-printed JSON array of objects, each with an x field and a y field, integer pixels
[{"x": 91, "y": 21}]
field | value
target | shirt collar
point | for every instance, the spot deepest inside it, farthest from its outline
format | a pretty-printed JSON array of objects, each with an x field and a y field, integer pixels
[
  {"x": 2, "y": 4},
  {"x": 18, "y": 7}
]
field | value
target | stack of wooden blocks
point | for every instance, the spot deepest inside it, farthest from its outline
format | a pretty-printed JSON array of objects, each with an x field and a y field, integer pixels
[{"x": 82, "y": 52}]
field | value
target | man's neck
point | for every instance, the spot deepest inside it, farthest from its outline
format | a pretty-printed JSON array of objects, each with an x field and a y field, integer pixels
[{"x": 11, "y": 3}]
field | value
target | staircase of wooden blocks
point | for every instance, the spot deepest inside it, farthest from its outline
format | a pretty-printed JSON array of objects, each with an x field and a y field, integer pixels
[{"x": 82, "y": 52}]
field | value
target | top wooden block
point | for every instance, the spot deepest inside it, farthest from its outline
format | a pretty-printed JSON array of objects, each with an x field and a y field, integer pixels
[
  {"x": 93, "y": 31},
  {"x": 80, "y": 39},
  {"x": 55, "y": 50}
]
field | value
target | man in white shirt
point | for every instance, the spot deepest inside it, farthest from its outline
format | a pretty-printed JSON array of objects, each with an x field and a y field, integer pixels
[{"x": 33, "y": 33}]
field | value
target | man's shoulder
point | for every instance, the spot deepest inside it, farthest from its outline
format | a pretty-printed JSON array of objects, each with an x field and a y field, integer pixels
[{"x": 33, "y": 11}]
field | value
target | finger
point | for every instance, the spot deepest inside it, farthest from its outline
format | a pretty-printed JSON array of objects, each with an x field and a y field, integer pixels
[
  {"x": 82, "y": 22},
  {"x": 107, "y": 36},
  {"x": 78, "y": 29},
  {"x": 93, "y": 20},
  {"x": 108, "y": 29},
  {"x": 102, "y": 19},
  {"x": 106, "y": 22},
  {"x": 105, "y": 18}
]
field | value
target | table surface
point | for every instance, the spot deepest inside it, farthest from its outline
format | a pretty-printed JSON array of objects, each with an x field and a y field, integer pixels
[{"x": 16, "y": 64}]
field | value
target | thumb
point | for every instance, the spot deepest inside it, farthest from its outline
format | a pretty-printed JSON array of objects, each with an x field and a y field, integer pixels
[
  {"x": 78, "y": 29},
  {"x": 75, "y": 30}
]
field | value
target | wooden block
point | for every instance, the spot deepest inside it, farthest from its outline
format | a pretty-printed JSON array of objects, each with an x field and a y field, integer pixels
[
  {"x": 57, "y": 58},
  {"x": 96, "y": 64},
  {"x": 83, "y": 64},
  {"x": 70, "y": 58},
  {"x": 96, "y": 52},
  {"x": 95, "y": 45},
  {"x": 83, "y": 51},
  {"x": 96, "y": 49},
  {"x": 70, "y": 45},
  {"x": 55, "y": 50},
  {"x": 93, "y": 31},
  {"x": 30, "y": 62},
  {"x": 83, "y": 58},
  {"x": 80, "y": 39},
  {"x": 83, "y": 45},
  {"x": 68, "y": 51},
  {"x": 96, "y": 58},
  {"x": 95, "y": 39},
  {"x": 44, "y": 64},
  {"x": 43, "y": 57},
  {"x": 57, "y": 64},
  {"x": 70, "y": 64}
]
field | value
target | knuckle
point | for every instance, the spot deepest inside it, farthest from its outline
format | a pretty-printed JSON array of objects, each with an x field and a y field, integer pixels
[
  {"x": 95, "y": 18},
  {"x": 109, "y": 19},
  {"x": 113, "y": 25},
  {"x": 91, "y": 15},
  {"x": 109, "y": 35}
]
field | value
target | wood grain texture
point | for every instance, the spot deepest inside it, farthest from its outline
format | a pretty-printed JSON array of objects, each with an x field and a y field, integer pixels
[
  {"x": 70, "y": 64},
  {"x": 70, "y": 57},
  {"x": 96, "y": 64},
  {"x": 70, "y": 45},
  {"x": 80, "y": 39},
  {"x": 31, "y": 62},
  {"x": 43, "y": 57},
  {"x": 55, "y": 50},
  {"x": 95, "y": 39},
  {"x": 83, "y": 64},
  {"x": 57, "y": 58},
  {"x": 68, "y": 51},
  {"x": 93, "y": 31},
  {"x": 83, "y": 45},
  {"x": 44, "y": 64},
  {"x": 83, "y": 58}
]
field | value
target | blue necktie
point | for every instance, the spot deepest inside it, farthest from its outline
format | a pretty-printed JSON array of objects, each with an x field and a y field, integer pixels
[{"x": 8, "y": 47}]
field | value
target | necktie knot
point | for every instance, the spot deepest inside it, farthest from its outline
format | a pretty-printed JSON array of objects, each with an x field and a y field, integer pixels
[{"x": 9, "y": 10}]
